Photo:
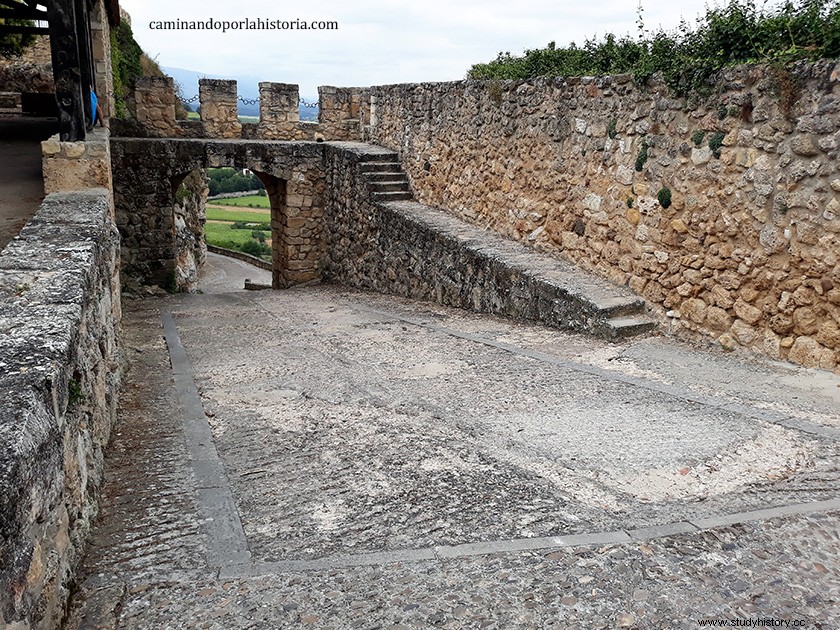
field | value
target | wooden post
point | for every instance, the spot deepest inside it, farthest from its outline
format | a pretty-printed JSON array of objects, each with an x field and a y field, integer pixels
[
  {"x": 66, "y": 69},
  {"x": 85, "y": 69}
]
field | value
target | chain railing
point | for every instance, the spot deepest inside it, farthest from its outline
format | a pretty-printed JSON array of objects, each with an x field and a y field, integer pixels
[{"x": 251, "y": 101}]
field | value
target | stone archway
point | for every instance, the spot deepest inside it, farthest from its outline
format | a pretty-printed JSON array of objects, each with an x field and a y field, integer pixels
[{"x": 148, "y": 172}]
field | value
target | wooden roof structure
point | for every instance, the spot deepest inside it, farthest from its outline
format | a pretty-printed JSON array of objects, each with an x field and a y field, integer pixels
[{"x": 67, "y": 22}]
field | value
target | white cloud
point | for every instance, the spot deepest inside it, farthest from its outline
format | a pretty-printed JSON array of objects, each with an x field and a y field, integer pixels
[{"x": 381, "y": 41}]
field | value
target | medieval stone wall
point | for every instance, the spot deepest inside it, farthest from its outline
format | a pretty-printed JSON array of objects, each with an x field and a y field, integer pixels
[
  {"x": 405, "y": 248},
  {"x": 59, "y": 321},
  {"x": 747, "y": 249},
  {"x": 190, "y": 216},
  {"x": 343, "y": 112}
]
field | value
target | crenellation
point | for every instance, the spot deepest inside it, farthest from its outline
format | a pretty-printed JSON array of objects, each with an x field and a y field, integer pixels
[
  {"x": 279, "y": 111},
  {"x": 153, "y": 106},
  {"x": 218, "y": 99}
]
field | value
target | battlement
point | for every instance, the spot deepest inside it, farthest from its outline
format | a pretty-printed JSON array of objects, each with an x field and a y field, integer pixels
[{"x": 343, "y": 113}]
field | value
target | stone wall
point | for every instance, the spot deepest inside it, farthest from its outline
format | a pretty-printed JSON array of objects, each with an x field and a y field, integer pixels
[
  {"x": 405, "y": 248},
  {"x": 343, "y": 112},
  {"x": 69, "y": 166},
  {"x": 31, "y": 71},
  {"x": 190, "y": 216},
  {"x": 59, "y": 321},
  {"x": 747, "y": 250}
]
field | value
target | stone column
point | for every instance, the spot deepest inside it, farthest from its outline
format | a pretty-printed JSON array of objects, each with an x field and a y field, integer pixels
[
  {"x": 218, "y": 108},
  {"x": 154, "y": 102},
  {"x": 279, "y": 111},
  {"x": 101, "y": 52},
  {"x": 73, "y": 166}
]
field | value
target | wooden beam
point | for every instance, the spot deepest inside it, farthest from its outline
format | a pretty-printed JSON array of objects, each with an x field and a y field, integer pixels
[
  {"x": 24, "y": 13},
  {"x": 85, "y": 56},
  {"x": 66, "y": 69}
]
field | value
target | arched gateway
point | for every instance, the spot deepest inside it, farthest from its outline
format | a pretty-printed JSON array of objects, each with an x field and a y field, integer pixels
[{"x": 147, "y": 173}]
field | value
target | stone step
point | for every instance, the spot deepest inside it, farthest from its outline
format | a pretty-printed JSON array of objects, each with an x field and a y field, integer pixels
[
  {"x": 385, "y": 176},
  {"x": 392, "y": 196},
  {"x": 381, "y": 167},
  {"x": 390, "y": 186},
  {"x": 620, "y": 307},
  {"x": 380, "y": 156},
  {"x": 624, "y": 327}
]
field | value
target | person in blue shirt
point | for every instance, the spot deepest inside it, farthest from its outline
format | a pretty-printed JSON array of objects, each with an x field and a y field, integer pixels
[{"x": 96, "y": 111}]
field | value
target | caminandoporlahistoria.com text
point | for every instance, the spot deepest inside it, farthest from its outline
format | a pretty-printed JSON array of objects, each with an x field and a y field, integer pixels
[{"x": 245, "y": 24}]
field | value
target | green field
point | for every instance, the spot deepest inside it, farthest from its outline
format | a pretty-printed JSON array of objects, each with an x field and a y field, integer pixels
[
  {"x": 221, "y": 233},
  {"x": 223, "y": 214},
  {"x": 250, "y": 201},
  {"x": 244, "y": 119}
]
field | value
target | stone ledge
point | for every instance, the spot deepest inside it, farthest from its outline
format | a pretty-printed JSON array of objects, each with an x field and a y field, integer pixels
[{"x": 59, "y": 316}]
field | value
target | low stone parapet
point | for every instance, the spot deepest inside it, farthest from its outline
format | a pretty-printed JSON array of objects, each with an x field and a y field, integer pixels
[
  {"x": 232, "y": 253},
  {"x": 401, "y": 247},
  {"x": 59, "y": 324}
]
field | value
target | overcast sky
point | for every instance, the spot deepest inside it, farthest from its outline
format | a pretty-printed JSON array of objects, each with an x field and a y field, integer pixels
[{"x": 381, "y": 41}]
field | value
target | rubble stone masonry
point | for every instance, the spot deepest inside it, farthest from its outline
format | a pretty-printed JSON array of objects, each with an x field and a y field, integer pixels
[
  {"x": 59, "y": 325},
  {"x": 747, "y": 249}
]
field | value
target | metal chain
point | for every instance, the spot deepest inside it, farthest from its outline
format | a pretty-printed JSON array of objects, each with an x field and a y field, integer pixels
[{"x": 251, "y": 101}]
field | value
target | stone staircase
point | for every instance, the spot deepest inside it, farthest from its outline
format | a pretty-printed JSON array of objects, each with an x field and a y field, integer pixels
[
  {"x": 569, "y": 297},
  {"x": 386, "y": 179}
]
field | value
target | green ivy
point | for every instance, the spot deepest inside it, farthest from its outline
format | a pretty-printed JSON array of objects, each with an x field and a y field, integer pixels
[
  {"x": 738, "y": 32},
  {"x": 642, "y": 157},
  {"x": 716, "y": 142},
  {"x": 125, "y": 63}
]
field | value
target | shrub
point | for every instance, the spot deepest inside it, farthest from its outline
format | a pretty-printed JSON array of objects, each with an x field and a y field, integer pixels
[
  {"x": 687, "y": 57},
  {"x": 716, "y": 142},
  {"x": 255, "y": 249}
]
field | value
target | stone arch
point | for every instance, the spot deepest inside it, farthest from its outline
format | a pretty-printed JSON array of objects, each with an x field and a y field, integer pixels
[{"x": 148, "y": 173}]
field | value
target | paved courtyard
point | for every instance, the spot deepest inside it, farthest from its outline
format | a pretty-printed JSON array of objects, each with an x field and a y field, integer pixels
[{"x": 327, "y": 458}]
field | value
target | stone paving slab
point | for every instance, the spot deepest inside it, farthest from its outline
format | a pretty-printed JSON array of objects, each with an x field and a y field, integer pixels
[
  {"x": 354, "y": 431},
  {"x": 389, "y": 474}
]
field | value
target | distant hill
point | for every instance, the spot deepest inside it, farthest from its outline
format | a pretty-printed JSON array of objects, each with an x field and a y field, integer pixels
[{"x": 247, "y": 86}]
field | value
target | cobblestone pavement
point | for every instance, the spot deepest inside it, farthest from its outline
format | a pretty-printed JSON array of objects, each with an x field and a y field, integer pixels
[{"x": 333, "y": 459}]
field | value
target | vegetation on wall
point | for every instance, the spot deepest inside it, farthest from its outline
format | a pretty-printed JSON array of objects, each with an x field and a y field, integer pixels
[
  {"x": 12, "y": 44},
  {"x": 129, "y": 62},
  {"x": 738, "y": 32}
]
